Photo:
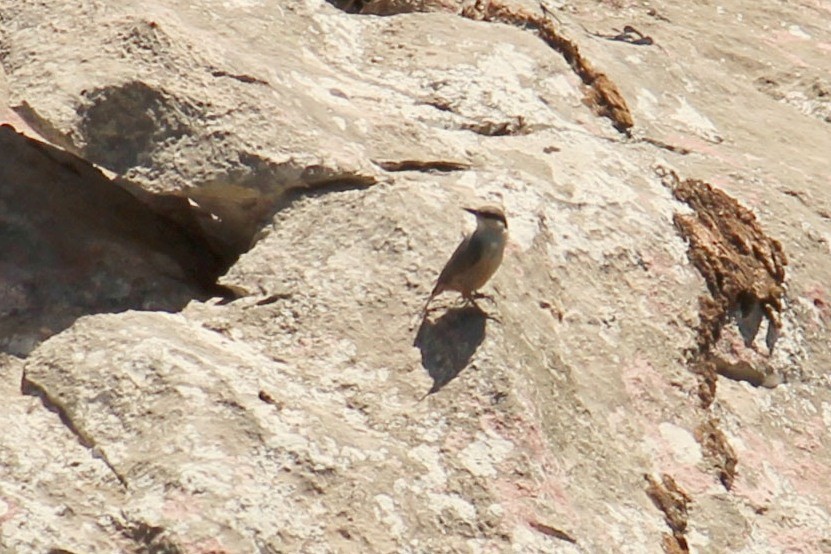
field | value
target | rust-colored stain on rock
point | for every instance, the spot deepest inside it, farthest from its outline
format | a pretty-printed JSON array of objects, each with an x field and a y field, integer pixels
[
  {"x": 717, "y": 451},
  {"x": 672, "y": 501},
  {"x": 744, "y": 270}
]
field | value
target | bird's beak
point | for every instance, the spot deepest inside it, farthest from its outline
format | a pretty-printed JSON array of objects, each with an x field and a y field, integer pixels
[{"x": 471, "y": 210}]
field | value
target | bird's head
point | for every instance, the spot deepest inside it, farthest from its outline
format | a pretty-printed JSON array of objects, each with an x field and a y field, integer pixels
[{"x": 489, "y": 216}]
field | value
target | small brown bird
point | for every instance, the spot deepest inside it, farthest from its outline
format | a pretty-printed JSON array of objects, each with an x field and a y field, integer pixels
[{"x": 477, "y": 258}]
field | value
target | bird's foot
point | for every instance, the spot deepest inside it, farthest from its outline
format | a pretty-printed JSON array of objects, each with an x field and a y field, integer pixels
[
  {"x": 483, "y": 296},
  {"x": 470, "y": 300}
]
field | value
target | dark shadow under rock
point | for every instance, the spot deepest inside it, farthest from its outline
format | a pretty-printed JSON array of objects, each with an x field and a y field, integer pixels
[
  {"x": 392, "y": 7},
  {"x": 448, "y": 344},
  {"x": 74, "y": 243}
]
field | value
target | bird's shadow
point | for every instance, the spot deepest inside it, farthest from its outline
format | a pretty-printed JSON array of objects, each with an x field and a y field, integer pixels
[{"x": 448, "y": 344}]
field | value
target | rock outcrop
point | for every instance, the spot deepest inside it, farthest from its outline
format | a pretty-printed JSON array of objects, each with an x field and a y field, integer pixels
[{"x": 220, "y": 220}]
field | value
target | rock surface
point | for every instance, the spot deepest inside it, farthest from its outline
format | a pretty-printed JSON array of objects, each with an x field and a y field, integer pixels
[
  {"x": 667, "y": 190},
  {"x": 75, "y": 243}
]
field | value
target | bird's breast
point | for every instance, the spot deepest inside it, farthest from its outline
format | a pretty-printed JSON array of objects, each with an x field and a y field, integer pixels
[{"x": 493, "y": 246}]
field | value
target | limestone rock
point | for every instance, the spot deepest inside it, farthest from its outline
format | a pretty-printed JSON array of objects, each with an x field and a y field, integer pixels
[{"x": 622, "y": 401}]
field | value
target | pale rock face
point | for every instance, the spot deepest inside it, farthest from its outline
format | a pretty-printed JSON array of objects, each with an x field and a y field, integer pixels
[{"x": 625, "y": 400}]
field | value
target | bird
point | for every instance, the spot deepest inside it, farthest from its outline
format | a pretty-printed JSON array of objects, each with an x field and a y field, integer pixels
[{"x": 476, "y": 258}]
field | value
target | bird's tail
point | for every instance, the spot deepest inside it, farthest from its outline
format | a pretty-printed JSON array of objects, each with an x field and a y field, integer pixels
[
  {"x": 437, "y": 290},
  {"x": 426, "y": 305}
]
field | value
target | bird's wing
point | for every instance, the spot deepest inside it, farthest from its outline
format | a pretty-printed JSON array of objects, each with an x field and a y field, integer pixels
[{"x": 467, "y": 254}]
